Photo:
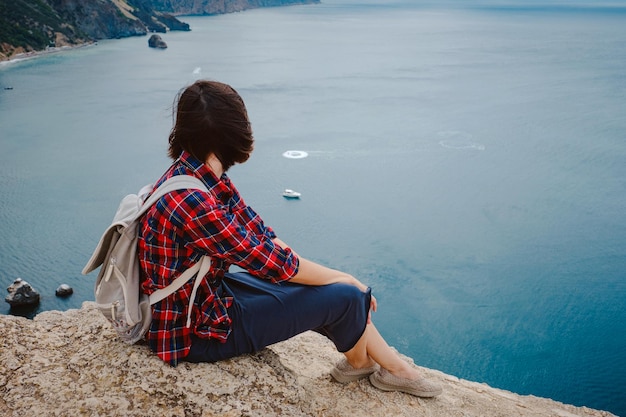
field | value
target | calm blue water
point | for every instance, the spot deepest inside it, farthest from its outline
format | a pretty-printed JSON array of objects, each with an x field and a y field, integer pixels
[{"x": 467, "y": 162}]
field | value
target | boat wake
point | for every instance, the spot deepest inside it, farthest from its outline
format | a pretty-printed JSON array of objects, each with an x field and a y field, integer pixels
[{"x": 454, "y": 139}]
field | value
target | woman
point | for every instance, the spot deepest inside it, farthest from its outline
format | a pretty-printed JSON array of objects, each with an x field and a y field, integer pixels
[{"x": 281, "y": 294}]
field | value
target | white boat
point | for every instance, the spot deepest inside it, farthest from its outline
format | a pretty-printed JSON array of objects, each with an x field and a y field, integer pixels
[{"x": 291, "y": 193}]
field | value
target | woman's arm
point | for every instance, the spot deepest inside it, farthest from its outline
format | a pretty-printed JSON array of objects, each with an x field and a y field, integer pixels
[{"x": 311, "y": 273}]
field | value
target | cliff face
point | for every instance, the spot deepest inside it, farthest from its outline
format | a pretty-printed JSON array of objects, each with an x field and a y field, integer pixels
[
  {"x": 100, "y": 20},
  {"x": 34, "y": 25},
  {"x": 70, "y": 364},
  {"x": 200, "y": 7}
]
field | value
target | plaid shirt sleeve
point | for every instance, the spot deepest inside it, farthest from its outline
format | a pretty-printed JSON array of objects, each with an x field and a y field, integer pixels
[
  {"x": 248, "y": 215},
  {"x": 175, "y": 233},
  {"x": 235, "y": 233}
]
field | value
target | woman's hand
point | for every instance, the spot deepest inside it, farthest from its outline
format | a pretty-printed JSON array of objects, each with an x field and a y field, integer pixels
[{"x": 373, "y": 307}]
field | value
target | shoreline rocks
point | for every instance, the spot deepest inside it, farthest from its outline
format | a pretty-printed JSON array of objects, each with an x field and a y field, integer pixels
[
  {"x": 22, "y": 294},
  {"x": 64, "y": 290},
  {"x": 70, "y": 363}
]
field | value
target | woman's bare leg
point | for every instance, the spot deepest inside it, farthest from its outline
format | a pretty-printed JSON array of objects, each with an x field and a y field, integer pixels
[{"x": 371, "y": 347}]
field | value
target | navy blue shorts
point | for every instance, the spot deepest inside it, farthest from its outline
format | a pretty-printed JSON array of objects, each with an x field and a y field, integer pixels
[{"x": 264, "y": 313}]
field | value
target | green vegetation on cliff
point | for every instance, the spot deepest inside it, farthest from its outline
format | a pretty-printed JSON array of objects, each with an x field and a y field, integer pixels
[{"x": 31, "y": 25}]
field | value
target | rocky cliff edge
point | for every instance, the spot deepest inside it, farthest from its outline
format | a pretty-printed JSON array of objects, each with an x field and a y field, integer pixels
[{"x": 70, "y": 364}]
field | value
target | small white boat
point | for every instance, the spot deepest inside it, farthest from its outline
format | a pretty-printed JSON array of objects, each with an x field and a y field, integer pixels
[{"x": 291, "y": 193}]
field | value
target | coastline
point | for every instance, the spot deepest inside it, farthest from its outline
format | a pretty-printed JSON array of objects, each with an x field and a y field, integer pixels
[
  {"x": 24, "y": 56},
  {"x": 463, "y": 130}
]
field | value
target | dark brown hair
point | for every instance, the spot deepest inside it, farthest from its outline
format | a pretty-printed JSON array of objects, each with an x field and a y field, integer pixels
[{"x": 211, "y": 117}]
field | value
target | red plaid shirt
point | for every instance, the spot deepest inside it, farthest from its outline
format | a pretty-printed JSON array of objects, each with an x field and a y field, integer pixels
[{"x": 177, "y": 231}]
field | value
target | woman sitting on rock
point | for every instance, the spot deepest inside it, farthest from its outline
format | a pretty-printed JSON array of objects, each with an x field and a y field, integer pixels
[{"x": 280, "y": 295}]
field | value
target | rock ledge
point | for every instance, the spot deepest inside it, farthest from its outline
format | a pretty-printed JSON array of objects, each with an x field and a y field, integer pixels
[{"x": 69, "y": 364}]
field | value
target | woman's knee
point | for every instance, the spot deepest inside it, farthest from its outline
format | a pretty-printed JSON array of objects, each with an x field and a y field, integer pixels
[
  {"x": 346, "y": 290},
  {"x": 347, "y": 293}
]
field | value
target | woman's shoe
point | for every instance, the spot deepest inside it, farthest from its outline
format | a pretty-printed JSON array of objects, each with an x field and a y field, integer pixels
[
  {"x": 422, "y": 387},
  {"x": 344, "y": 372}
]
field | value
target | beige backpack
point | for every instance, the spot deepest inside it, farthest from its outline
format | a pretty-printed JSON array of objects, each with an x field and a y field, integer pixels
[{"x": 117, "y": 291}]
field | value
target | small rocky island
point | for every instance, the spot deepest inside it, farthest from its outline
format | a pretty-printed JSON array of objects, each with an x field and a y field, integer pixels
[{"x": 156, "y": 41}]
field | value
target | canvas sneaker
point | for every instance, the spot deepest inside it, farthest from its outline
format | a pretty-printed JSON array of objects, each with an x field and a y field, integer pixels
[{"x": 422, "y": 387}]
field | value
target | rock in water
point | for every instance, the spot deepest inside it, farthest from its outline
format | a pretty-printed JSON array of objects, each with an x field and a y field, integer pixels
[
  {"x": 156, "y": 41},
  {"x": 21, "y": 294},
  {"x": 64, "y": 290}
]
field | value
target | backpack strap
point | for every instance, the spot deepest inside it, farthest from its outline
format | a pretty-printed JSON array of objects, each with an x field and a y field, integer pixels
[
  {"x": 177, "y": 182},
  {"x": 200, "y": 268}
]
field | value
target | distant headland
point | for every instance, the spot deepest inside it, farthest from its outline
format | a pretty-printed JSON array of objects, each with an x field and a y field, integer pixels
[{"x": 33, "y": 28}]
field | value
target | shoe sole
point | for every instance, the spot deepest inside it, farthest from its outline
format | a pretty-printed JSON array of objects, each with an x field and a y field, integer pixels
[
  {"x": 345, "y": 378},
  {"x": 383, "y": 386}
]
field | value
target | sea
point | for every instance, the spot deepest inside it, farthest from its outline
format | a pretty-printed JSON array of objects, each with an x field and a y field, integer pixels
[{"x": 467, "y": 160}]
